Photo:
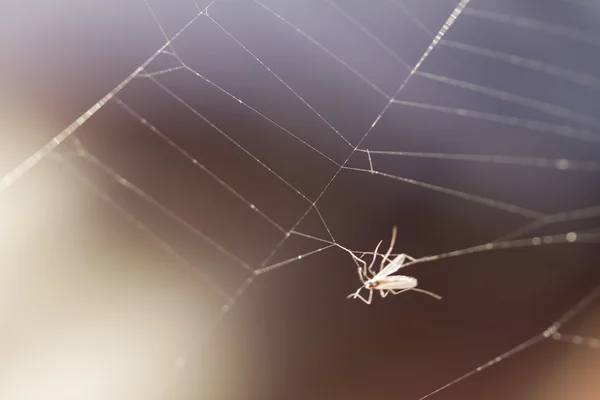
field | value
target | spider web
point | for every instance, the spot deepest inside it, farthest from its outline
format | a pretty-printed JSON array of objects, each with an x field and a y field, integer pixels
[{"x": 279, "y": 141}]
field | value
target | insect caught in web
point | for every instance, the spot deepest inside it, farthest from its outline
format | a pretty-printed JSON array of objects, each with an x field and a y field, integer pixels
[{"x": 382, "y": 280}]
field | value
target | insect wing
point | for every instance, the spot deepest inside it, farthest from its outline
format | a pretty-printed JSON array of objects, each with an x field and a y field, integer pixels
[
  {"x": 396, "y": 282},
  {"x": 393, "y": 266}
]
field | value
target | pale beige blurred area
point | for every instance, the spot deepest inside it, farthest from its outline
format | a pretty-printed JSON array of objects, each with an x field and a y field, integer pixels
[
  {"x": 572, "y": 377},
  {"x": 573, "y": 372},
  {"x": 85, "y": 311}
]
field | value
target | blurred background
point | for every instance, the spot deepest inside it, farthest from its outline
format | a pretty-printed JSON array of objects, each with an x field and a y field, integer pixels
[{"x": 127, "y": 251}]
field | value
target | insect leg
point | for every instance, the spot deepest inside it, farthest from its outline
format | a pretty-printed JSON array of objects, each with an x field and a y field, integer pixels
[
  {"x": 394, "y": 230},
  {"x": 362, "y": 266},
  {"x": 393, "y": 266},
  {"x": 435, "y": 296},
  {"x": 357, "y": 294},
  {"x": 398, "y": 291},
  {"x": 374, "y": 258},
  {"x": 370, "y": 297},
  {"x": 360, "y": 263}
]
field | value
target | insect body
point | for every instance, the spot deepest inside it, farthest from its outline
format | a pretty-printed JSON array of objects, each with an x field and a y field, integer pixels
[{"x": 382, "y": 280}]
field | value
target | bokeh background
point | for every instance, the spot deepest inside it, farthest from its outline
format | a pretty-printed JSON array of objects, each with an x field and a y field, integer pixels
[{"x": 106, "y": 296}]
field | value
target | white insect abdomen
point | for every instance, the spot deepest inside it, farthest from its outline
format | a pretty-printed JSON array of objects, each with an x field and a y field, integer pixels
[{"x": 396, "y": 282}]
